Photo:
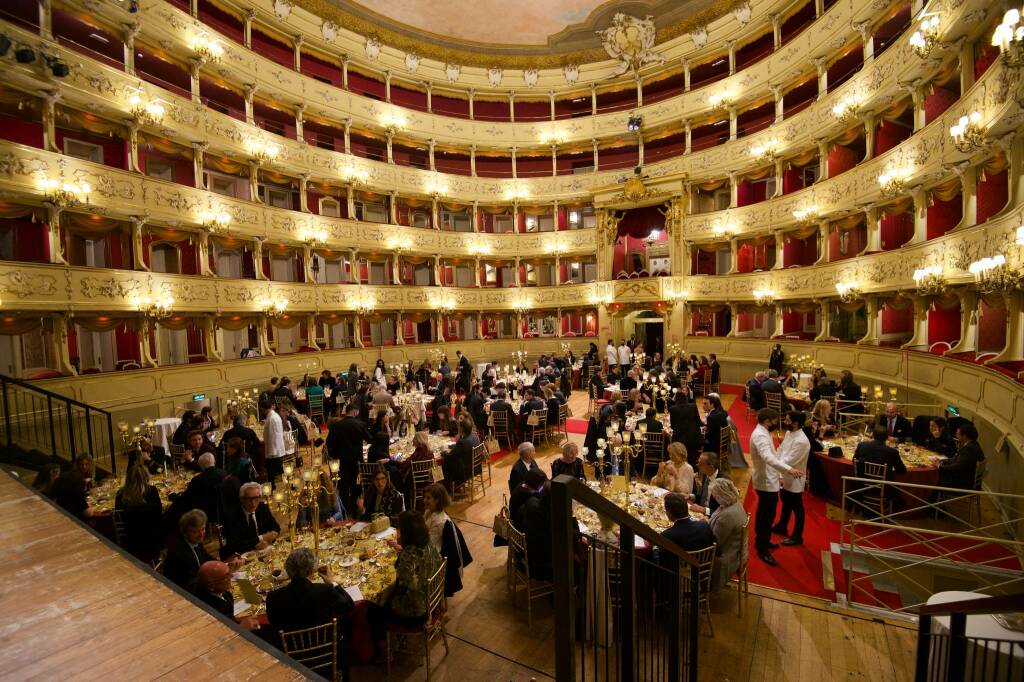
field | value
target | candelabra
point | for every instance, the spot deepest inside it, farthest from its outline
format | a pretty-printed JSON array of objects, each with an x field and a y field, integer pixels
[
  {"x": 519, "y": 356},
  {"x": 146, "y": 113},
  {"x": 244, "y": 402},
  {"x": 803, "y": 364},
  {"x": 132, "y": 436},
  {"x": 967, "y": 134},
  {"x": 926, "y": 37},
  {"x": 262, "y": 151},
  {"x": 929, "y": 280},
  {"x": 893, "y": 181},
  {"x": 65, "y": 194},
  {"x": 303, "y": 492},
  {"x": 765, "y": 151},
  {"x": 207, "y": 50},
  {"x": 316, "y": 237},
  {"x": 157, "y": 308},
  {"x": 1009, "y": 38},
  {"x": 214, "y": 221}
]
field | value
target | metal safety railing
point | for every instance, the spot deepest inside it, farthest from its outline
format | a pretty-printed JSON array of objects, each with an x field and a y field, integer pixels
[
  {"x": 919, "y": 538},
  {"x": 36, "y": 419}
]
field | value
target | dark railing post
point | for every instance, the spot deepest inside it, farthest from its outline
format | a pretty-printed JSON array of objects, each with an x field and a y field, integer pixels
[
  {"x": 110, "y": 438},
  {"x": 71, "y": 430},
  {"x": 673, "y": 597},
  {"x": 694, "y": 624},
  {"x": 957, "y": 647},
  {"x": 924, "y": 647},
  {"x": 88, "y": 435},
  {"x": 53, "y": 428},
  {"x": 562, "y": 573},
  {"x": 7, "y": 412},
  {"x": 627, "y": 599}
]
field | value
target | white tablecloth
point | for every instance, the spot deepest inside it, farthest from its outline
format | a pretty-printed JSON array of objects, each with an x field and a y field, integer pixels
[
  {"x": 996, "y": 662},
  {"x": 163, "y": 431}
]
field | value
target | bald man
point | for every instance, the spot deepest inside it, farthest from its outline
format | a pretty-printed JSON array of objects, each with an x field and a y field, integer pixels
[
  {"x": 896, "y": 425},
  {"x": 212, "y": 586}
]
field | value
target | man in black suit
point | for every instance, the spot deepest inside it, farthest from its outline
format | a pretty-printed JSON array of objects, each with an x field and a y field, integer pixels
[
  {"x": 530, "y": 403},
  {"x": 628, "y": 382},
  {"x": 959, "y": 470},
  {"x": 303, "y": 604},
  {"x": 250, "y": 525},
  {"x": 771, "y": 384},
  {"x": 465, "y": 372},
  {"x": 707, "y": 467},
  {"x": 687, "y": 532},
  {"x": 187, "y": 553},
  {"x": 240, "y": 430},
  {"x": 458, "y": 463},
  {"x": 203, "y": 491},
  {"x": 717, "y": 420},
  {"x": 525, "y": 463},
  {"x": 755, "y": 394},
  {"x": 345, "y": 440},
  {"x": 474, "y": 404},
  {"x": 876, "y": 451},
  {"x": 716, "y": 369},
  {"x": 684, "y": 419},
  {"x": 650, "y": 421},
  {"x": 212, "y": 586},
  {"x": 896, "y": 426}
]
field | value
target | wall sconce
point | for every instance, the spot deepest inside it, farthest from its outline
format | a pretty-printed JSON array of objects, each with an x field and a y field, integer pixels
[
  {"x": 316, "y": 237},
  {"x": 848, "y": 108},
  {"x": 262, "y": 151},
  {"x": 893, "y": 181},
  {"x": 926, "y": 37},
  {"x": 553, "y": 136},
  {"x": 994, "y": 275},
  {"x": 399, "y": 244},
  {"x": 207, "y": 50},
  {"x": 364, "y": 303},
  {"x": 724, "y": 231},
  {"x": 574, "y": 218},
  {"x": 522, "y": 304},
  {"x": 146, "y": 112},
  {"x": 392, "y": 121},
  {"x": 764, "y": 297},
  {"x": 1009, "y": 38},
  {"x": 721, "y": 100},
  {"x": 516, "y": 192},
  {"x": 156, "y": 308},
  {"x": 929, "y": 280},
  {"x": 847, "y": 291},
  {"x": 215, "y": 221},
  {"x": 355, "y": 175},
  {"x": 444, "y": 305},
  {"x": 765, "y": 151},
  {"x": 65, "y": 194},
  {"x": 967, "y": 134},
  {"x": 479, "y": 248},
  {"x": 274, "y": 308},
  {"x": 807, "y": 215},
  {"x": 436, "y": 187},
  {"x": 673, "y": 295}
]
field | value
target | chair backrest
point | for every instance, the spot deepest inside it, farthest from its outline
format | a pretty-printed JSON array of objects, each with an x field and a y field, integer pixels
[
  {"x": 541, "y": 417},
  {"x": 875, "y": 470},
  {"x": 315, "y": 647},
  {"x": 479, "y": 458},
  {"x": 316, "y": 401},
  {"x": 745, "y": 554},
  {"x": 979, "y": 474},
  {"x": 282, "y": 400},
  {"x": 367, "y": 470},
  {"x": 563, "y": 414},
  {"x": 436, "y": 602},
  {"x": 422, "y": 474},
  {"x": 654, "y": 446},
  {"x": 500, "y": 421},
  {"x": 705, "y": 559},
  {"x": 724, "y": 441},
  {"x": 120, "y": 530},
  {"x": 773, "y": 400},
  {"x": 517, "y": 545}
]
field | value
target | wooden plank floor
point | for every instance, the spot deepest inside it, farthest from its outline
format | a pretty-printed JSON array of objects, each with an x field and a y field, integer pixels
[{"x": 74, "y": 608}]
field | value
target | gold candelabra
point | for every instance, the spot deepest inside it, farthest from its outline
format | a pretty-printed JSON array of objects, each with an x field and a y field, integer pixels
[
  {"x": 132, "y": 436},
  {"x": 302, "y": 490},
  {"x": 244, "y": 402}
]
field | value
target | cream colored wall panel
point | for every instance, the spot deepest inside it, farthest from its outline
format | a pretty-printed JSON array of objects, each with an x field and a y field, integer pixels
[
  {"x": 255, "y": 371},
  {"x": 884, "y": 364},
  {"x": 998, "y": 399},
  {"x": 119, "y": 388},
  {"x": 838, "y": 356},
  {"x": 961, "y": 383},
  {"x": 924, "y": 370},
  {"x": 191, "y": 378}
]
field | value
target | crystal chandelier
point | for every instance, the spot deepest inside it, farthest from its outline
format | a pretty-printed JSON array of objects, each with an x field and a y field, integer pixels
[{"x": 994, "y": 275}]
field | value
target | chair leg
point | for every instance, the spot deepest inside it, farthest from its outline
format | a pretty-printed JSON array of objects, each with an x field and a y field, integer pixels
[{"x": 444, "y": 638}]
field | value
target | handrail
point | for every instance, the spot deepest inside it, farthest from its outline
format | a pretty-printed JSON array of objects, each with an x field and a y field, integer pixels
[
  {"x": 1008, "y": 603},
  {"x": 50, "y": 394},
  {"x": 606, "y": 508}
]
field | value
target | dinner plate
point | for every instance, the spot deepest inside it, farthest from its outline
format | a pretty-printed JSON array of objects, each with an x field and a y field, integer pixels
[{"x": 348, "y": 561}]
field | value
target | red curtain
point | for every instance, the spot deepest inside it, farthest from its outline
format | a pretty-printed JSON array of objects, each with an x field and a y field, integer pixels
[
  {"x": 937, "y": 103},
  {"x": 792, "y": 180},
  {"x": 896, "y": 230},
  {"x": 640, "y": 222},
  {"x": 993, "y": 192},
  {"x": 944, "y": 215},
  {"x": 888, "y": 135},
  {"x": 944, "y": 325},
  {"x": 840, "y": 160}
]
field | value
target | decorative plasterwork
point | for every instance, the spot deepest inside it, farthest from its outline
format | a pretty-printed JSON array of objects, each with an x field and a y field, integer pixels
[{"x": 630, "y": 42}]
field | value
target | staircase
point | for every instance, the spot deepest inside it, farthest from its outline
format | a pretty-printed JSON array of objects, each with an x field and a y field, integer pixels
[{"x": 37, "y": 426}]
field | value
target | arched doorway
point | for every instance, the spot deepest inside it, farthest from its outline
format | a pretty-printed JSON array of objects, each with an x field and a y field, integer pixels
[{"x": 647, "y": 327}]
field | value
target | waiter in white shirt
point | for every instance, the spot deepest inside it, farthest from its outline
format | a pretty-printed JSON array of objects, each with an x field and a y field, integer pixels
[
  {"x": 625, "y": 358},
  {"x": 766, "y": 468},
  {"x": 611, "y": 356},
  {"x": 794, "y": 451},
  {"x": 273, "y": 440}
]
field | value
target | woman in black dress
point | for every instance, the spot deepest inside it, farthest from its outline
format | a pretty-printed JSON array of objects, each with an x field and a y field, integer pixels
[{"x": 569, "y": 463}]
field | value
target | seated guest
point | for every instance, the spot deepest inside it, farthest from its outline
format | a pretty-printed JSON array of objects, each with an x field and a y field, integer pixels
[
  {"x": 895, "y": 424},
  {"x": 445, "y": 536},
  {"x": 650, "y": 421},
  {"x": 553, "y": 404},
  {"x": 236, "y": 463},
  {"x": 186, "y": 552},
  {"x": 153, "y": 457},
  {"x": 939, "y": 439},
  {"x": 525, "y": 463},
  {"x": 204, "y": 490},
  {"x": 421, "y": 453},
  {"x": 772, "y": 384},
  {"x": 959, "y": 470},
  {"x": 596, "y": 386},
  {"x": 188, "y": 418},
  {"x": 212, "y": 586},
  {"x": 444, "y": 424},
  {"x": 302, "y": 603},
  {"x": 240, "y": 430},
  {"x": 687, "y": 532},
  {"x": 443, "y": 398},
  {"x": 822, "y": 420},
  {"x": 207, "y": 420},
  {"x": 531, "y": 486},
  {"x": 284, "y": 390},
  {"x": 417, "y": 561},
  {"x": 195, "y": 445},
  {"x": 290, "y": 422},
  {"x": 675, "y": 475},
  {"x": 727, "y": 525},
  {"x": 381, "y": 498},
  {"x": 717, "y": 421},
  {"x": 250, "y": 525},
  {"x": 531, "y": 403},
  {"x": 825, "y": 388},
  {"x": 380, "y": 447},
  {"x": 536, "y": 519},
  {"x": 628, "y": 382},
  {"x": 707, "y": 471},
  {"x": 458, "y": 463},
  {"x": 875, "y": 450},
  {"x": 141, "y": 509},
  {"x": 45, "y": 478},
  {"x": 569, "y": 463},
  {"x": 329, "y": 505},
  {"x": 70, "y": 493},
  {"x": 755, "y": 394},
  {"x": 850, "y": 394}
]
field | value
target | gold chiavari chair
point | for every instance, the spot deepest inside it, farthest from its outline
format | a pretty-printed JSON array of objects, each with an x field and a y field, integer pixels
[
  {"x": 538, "y": 429},
  {"x": 873, "y": 496},
  {"x": 481, "y": 462},
  {"x": 654, "y": 451},
  {"x": 316, "y": 648},
  {"x": 501, "y": 427},
  {"x": 520, "y": 573},
  {"x": 705, "y": 559},
  {"x": 773, "y": 400},
  {"x": 742, "y": 585},
  {"x": 120, "y": 530},
  {"x": 367, "y": 470},
  {"x": 422, "y": 476},
  {"x": 437, "y": 608},
  {"x": 724, "y": 448},
  {"x": 559, "y": 431},
  {"x": 316, "y": 406}
]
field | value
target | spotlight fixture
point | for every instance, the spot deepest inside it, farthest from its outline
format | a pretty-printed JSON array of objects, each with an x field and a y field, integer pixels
[
  {"x": 635, "y": 123},
  {"x": 967, "y": 134},
  {"x": 25, "y": 55}
]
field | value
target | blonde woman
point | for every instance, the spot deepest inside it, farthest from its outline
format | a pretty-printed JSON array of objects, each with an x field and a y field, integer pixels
[
  {"x": 821, "y": 415},
  {"x": 675, "y": 475}
]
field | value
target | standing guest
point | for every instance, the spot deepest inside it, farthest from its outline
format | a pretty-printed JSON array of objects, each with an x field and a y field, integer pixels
[
  {"x": 351, "y": 380},
  {"x": 716, "y": 370},
  {"x": 895, "y": 424},
  {"x": 465, "y": 372},
  {"x": 707, "y": 472},
  {"x": 569, "y": 463},
  {"x": 273, "y": 440},
  {"x": 689, "y": 533},
  {"x": 531, "y": 486},
  {"x": 755, "y": 394},
  {"x": 379, "y": 369},
  {"x": 939, "y": 439},
  {"x": 718, "y": 420},
  {"x": 959, "y": 470},
  {"x": 850, "y": 393},
  {"x": 140, "y": 506},
  {"x": 727, "y": 523},
  {"x": 611, "y": 355},
  {"x": 675, "y": 475},
  {"x": 625, "y": 354},
  {"x": 777, "y": 359},
  {"x": 878, "y": 452},
  {"x": 284, "y": 390},
  {"x": 187, "y": 553},
  {"x": 475, "y": 405},
  {"x": 302, "y": 603},
  {"x": 250, "y": 525},
  {"x": 765, "y": 475},
  {"x": 45, "y": 478},
  {"x": 794, "y": 451},
  {"x": 345, "y": 439},
  {"x": 458, "y": 463},
  {"x": 536, "y": 519},
  {"x": 212, "y": 586},
  {"x": 240, "y": 430},
  {"x": 236, "y": 463},
  {"x": 684, "y": 418},
  {"x": 445, "y": 536},
  {"x": 525, "y": 463},
  {"x": 417, "y": 561},
  {"x": 380, "y": 499}
]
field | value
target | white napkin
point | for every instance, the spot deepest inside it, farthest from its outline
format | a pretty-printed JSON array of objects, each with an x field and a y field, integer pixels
[{"x": 355, "y": 593}]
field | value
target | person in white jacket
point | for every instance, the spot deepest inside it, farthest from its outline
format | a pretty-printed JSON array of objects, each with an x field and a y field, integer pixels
[
  {"x": 273, "y": 440},
  {"x": 766, "y": 469},
  {"x": 625, "y": 357},
  {"x": 611, "y": 356},
  {"x": 794, "y": 451}
]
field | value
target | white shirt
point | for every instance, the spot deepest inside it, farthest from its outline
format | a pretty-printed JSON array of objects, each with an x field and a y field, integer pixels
[
  {"x": 624, "y": 354},
  {"x": 766, "y": 466},
  {"x": 794, "y": 451},
  {"x": 611, "y": 354},
  {"x": 273, "y": 436}
]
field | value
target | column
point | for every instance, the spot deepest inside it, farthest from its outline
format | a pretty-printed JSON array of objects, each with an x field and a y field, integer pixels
[
  {"x": 307, "y": 263},
  {"x": 472, "y": 102},
  {"x": 734, "y": 248},
  {"x": 348, "y": 137},
  {"x": 776, "y": 31},
  {"x": 430, "y": 152},
  {"x": 472, "y": 160},
  {"x": 393, "y": 207},
  {"x": 311, "y": 332},
  {"x": 594, "y": 143},
  {"x": 439, "y": 321},
  {"x": 734, "y": 310},
  {"x": 480, "y": 325},
  {"x": 59, "y": 346},
  {"x": 203, "y": 255},
  {"x": 512, "y": 105},
  {"x": 300, "y": 120},
  {"x": 435, "y": 216},
  {"x": 396, "y": 268},
  {"x": 824, "y": 321},
  {"x": 476, "y": 271},
  {"x": 780, "y": 107},
  {"x": 780, "y": 247},
  {"x": 640, "y": 149},
  {"x": 264, "y": 338},
  {"x": 917, "y": 96},
  {"x": 297, "y": 52},
  {"x": 871, "y": 316},
  {"x": 193, "y": 72},
  {"x": 304, "y": 193},
  {"x": 1014, "y": 348},
  {"x": 689, "y": 136},
  {"x": 133, "y": 146},
  {"x": 429, "y": 87},
  {"x": 50, "y": 120},
  {"x": 730, "y": 45},
  {"x": 686, "y": 261},
  {"x": 558, "y": 324},
  {"x": 353, "y": 259},
  {"x": 198, "y": 149},
  {"x": 686, "y": 75},
  {"x": 46, "y": 19},
  {"x": 391, "y": 156},
  {"x": 551, "y": 98},
  {"x": 920, "y": 216},
  {"x": 968, "y": 322},
  {"x": 733, "y": 190},
  {"x": 819, "y": 7},
  {"x": 210, "y": 339},
  {"x": 780, "y": 169},
  {"x": 873, "y": 244},
  {"x": 387, "y": 86},
  {"x": 593, "y": 99},
  {"x": 344, "y": 71},
  {"x": 476, "y": 216},
  {"x": 131, "y": 31},
  {"x": 350, "y": 199},
  {"x": 514, "y": 170},
  {"x": 639, "y": 92},
  {"x": 250, "y": 14},
  {"x": 519, "y": 279},
  {"x": 920, "y": 337},
  {"x": 969, "y": 192},
  {"x": 519, "y": 325},
  {"x": 823, "y": 149},
  {"x": 554, "y": 162},
  {"x": 249, "y": 90},
  {"x": 257, "y": 257},
  {"x": 823, "y": 228},
  {"x": 966, "y": 65},
  {"x": 819, "y": 63},
  {"x": 438, "y": 281},
  {"x": 138, "y": 253},
  {"x": 254, "y": 182},
  {"x": 866, "y": 39},
  {"x": 150, "y": 350},
  {"x": 399, "y": 336},
  {"x": 870, "y": 123},
  {"x": 732, "y": 123},
  {"x": 777, "y": 319}
]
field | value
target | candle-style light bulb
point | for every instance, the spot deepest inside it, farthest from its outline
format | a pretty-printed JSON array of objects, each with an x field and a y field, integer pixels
[
  {"x": 335, "y": 466},
  {"x": 288, "y": 470},
  {"x": 266, "y": 489}
]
